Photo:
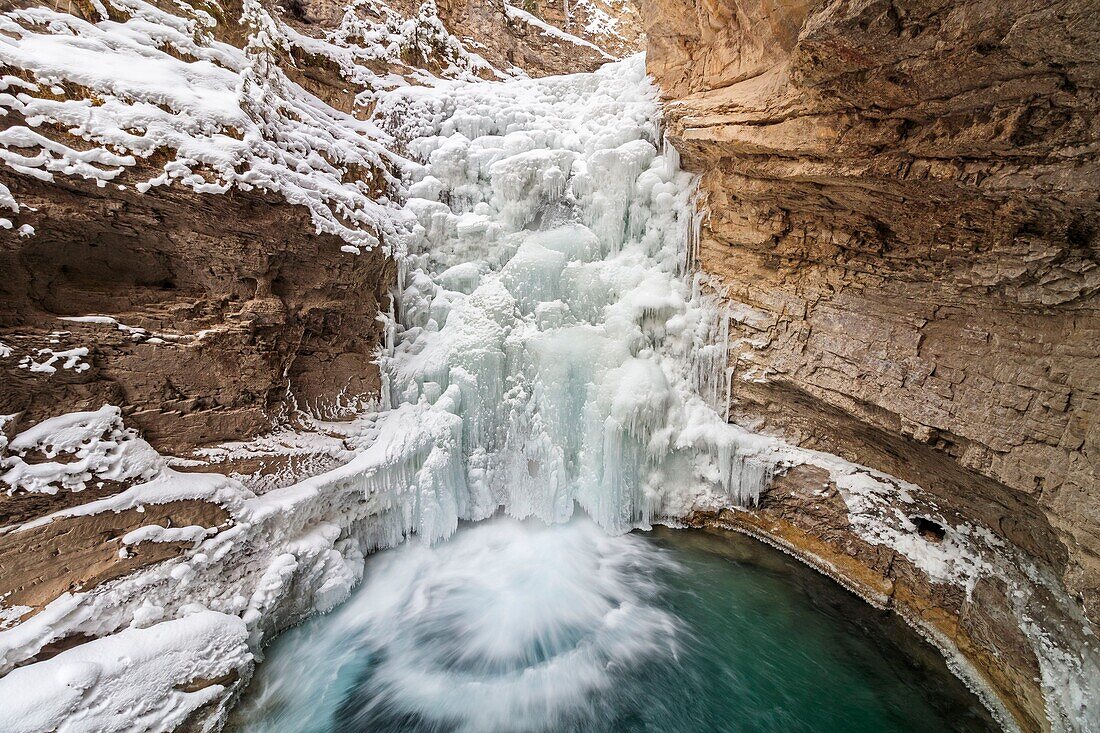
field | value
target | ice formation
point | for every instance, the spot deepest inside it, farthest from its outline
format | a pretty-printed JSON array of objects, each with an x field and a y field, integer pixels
[
  {"x": 550, "y": 349},
  {"x": 547, "y": 323},
  {"x": 544, "y": 354}
]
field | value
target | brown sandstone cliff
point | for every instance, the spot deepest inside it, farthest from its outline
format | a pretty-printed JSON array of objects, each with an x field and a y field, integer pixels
[
  {"x": 241, "y": 303},
  {"x": 902, "y": 207},
  {"x": 902, "y": 201}
]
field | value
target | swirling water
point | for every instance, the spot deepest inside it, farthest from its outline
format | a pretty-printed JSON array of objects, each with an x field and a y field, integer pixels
[{"x": 519, "y": 626}]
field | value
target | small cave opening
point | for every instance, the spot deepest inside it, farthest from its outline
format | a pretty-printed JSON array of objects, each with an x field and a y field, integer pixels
[{"x": 929, "y": 529}]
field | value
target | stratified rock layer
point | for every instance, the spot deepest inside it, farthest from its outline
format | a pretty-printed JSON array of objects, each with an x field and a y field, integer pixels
[
  {"x": 903, "y": 207},
  {"x": 262, "y": 309}
]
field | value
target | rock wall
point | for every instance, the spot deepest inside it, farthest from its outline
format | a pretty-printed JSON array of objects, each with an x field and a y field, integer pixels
[
  {"x": 901, "y": 207},
  {"x": 240, "y": 307},
  {"x": 543, "y": 38}
]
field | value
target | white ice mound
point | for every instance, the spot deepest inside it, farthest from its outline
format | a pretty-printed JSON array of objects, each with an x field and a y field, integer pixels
[{"x": 80, "y": 448}]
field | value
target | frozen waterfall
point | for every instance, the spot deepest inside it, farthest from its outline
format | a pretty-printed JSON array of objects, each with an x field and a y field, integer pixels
[{"x": 549, "y": 335}]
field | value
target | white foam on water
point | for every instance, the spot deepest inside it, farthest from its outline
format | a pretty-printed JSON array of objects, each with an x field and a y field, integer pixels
[{"x": 509, "y": 626}]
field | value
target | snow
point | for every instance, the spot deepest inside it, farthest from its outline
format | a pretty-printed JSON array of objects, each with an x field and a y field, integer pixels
[
  {"x": 599, "y": 23},
  {"x": 312, "y": 447},
  {"x": 83, "y": 447},
  {"x": 134, "y": 680},
  {"x": 156, "y": 533},
  {"x": 227, "y": 117},
  {"x": 871, "y": 498},
  {"x": 105, "y": 321},
  {"x": 11, "y": 614},
  {"x": 372, "y": 33},
  {"x": 136, "y": 333},
  {"x": 67, "y": 359},
  {"x": 519, "y": 14},
  {"x": 7, "y": 201}
]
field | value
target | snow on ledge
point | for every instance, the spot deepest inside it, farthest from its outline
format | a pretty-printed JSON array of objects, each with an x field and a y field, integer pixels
[
  {"x": 81, "y": 447},
  {"x": 138, "y": 679},
  {"x": 519, "y": 14},
  {"x": 224, "y": 117}
]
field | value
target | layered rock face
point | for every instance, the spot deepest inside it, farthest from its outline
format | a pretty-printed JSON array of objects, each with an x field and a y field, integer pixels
[
  {"x": 539, "y": 38},
  {"x": 239, "y": 305},
  {"x": 901, "y": 206},
  {"x": 608, "y": 29}
]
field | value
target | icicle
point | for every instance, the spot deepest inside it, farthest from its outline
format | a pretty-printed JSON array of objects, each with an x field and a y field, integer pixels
[{"x": 729, "y": 394}]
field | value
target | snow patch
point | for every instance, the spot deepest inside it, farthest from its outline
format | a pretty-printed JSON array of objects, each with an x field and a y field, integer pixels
[
  {"x": 51, "y": 360},
  {"x": 137, "y": 679},
  {"x": 522, "y": 15},
  {"x": 81, "y": 448}
]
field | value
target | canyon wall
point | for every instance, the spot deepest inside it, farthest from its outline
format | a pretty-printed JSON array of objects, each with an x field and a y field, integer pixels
[
  {"x": 902, "y": 215},
  {"x": 902, "y": 209}
]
